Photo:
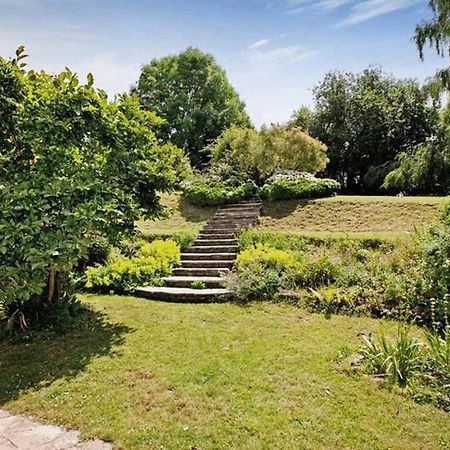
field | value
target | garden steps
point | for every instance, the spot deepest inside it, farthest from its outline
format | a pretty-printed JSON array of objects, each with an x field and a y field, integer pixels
[
  {"x": 201, "y": 263},
  {"x": 209, "y": 259},
  {"x": 171, "y": 294},
  {"x": 186, "y": 282},
  {"x": 201, "y": 271}
]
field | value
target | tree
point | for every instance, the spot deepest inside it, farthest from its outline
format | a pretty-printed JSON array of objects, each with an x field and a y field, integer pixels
[
  {"x": 192, "y": 93},
  {"x": 72, "y": 165},
  {"x": 258, "y": 155},
  {"x": 436, "y": 33},
  {"x": 303, "y": 118},
  {"x": 366, "y": 120}
]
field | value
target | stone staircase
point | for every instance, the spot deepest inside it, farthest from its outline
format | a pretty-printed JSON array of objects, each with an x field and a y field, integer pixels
[{"x": 204, "y": 266}]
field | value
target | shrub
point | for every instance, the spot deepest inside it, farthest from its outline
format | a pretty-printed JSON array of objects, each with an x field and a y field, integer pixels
[
  {"x": 298, "y": 186},
  {"x": 261, "y": 272},
  {"x": 183, "y": 239},
  {"x": 152, "y": 261},
  {"x": 73, "y": 165},
  {"x": 206, "y": 192},
  {"x": 258, "y": 155},
  {"x": 434, "y": 289}
]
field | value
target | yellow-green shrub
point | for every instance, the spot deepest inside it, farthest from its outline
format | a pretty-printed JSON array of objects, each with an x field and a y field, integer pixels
[{"x": 152, "y": 261}]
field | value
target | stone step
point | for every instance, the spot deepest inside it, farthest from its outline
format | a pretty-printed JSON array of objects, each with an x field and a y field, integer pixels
[
  {"x": 171, "y": 294},
  {"x": 201, "y": 263},
  {"x": 212, "y": 249},
  {"x": 235, "y": 214},
  {"x": 200, "y": 271},
  {"x": 212, "y": 235},
  {"x": 208, "y": 256},
  {"x": 207, "y": 231},
  {"x": 208, "y": 242},
  {"x": 227, "y": 225},
  {"x": 186, "y": 282},
  {"x": 241, "y": 205}
]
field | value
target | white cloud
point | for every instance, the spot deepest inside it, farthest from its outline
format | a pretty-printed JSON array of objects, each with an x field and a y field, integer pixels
[
  {"x": 259, "y": 44},
  {"x": 333, "y": 4},
  {"x": 369, "y": 9},
  {"x": 282, "y": 54}
]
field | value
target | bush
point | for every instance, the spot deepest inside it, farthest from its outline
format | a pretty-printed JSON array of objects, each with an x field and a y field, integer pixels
[
  {"x": 258, "y": 155},
  {"x": 298, "y": 186},
  {"x": 183, "y": 239},
  {"x": 261, "y": 272},
  {"x": 206, "y": 192},
  {"x": 152, "y": 262}
]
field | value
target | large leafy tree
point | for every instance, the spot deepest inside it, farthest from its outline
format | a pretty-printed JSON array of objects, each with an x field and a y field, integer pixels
[
  {"x": 366, "y": 120},
  {"x": 192, "y": 93},
  {"x": 72, "y": 165},
  {"x": 436, "y": 33}
]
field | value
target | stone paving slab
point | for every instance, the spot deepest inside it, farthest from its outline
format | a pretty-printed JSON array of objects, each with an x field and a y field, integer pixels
[{"x": 21, "y": 433}]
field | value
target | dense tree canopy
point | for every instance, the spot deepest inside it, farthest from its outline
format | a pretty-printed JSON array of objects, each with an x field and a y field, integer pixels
[
  {"x": 366, "y": 120},
  {"x": 192, "y": 93},
  {"x": 72, "y": 164}
]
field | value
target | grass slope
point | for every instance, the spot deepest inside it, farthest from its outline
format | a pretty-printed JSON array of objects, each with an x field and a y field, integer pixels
[
  {"x": 352, "y": 215},
  {"x": 180, "y": 376},
  {"x": 355, "y": 216},
  {"x": 181, "y": 217}
]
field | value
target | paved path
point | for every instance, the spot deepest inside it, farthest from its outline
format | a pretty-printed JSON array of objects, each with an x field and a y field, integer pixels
[{"x": 21, "y": 433}]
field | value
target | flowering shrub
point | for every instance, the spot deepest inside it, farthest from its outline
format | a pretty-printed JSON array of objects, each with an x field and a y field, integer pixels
[{"x": 297, "y": 185}]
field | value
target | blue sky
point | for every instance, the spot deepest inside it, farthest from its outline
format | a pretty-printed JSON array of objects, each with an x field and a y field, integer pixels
[{"x": 274, "y": 51}]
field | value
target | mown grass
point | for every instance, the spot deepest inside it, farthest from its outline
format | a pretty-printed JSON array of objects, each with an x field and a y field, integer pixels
[
  {"x": 181, "y": 217},
  {"x": 340, "y": 216},
  {"x": 353, "y": 216},
  {"x": 158, "y": 375}
]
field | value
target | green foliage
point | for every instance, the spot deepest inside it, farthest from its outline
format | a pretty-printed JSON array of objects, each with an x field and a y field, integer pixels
[
  {"x": 439, "y": 348},
  {"x": 261, "y": 272},
  {"x": 366, "y": 120},
  {"x": 297, "y": 186},
  {"x": 183, "y": 239},
  {"x": 435, "y": 32},
  {"x": 424, "y": 169},
  {"x": 399, "y": 360},
  {"x": 258, "y": 155},
  {"x": 303, "y": 119},
  {"x": 406, "y": 362},
  {"x": 434, "y": 289},
  {"x": 73, "y": 165},
  {"x": 151, "y": 262},
  {"x": 198, "y": 284},
  {"x": 208, "y": 192},
  {"x": 192, "y": 93},
  {"x": 365, "y": 276}
]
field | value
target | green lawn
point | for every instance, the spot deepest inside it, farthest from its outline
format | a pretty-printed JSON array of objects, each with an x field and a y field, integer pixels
[
  {"x": 353, "y": 216},
  {"x": 179, "y": 376}
]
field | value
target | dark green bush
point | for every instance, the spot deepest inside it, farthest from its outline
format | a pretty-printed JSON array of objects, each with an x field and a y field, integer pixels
[
  {"x": 298, "y": 186},
  {"x": 215, "y": 192}
]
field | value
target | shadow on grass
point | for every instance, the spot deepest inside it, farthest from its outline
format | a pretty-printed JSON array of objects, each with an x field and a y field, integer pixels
[
  {"x": 281, "y": 209},
  {"x": 195, "y": 213},
  {"x": 40, "y": 362}
]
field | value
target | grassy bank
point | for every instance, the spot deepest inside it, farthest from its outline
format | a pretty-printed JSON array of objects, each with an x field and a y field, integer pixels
[
  {"x": 213, "y": 376},
  {"x": 353, "y": 216}
]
